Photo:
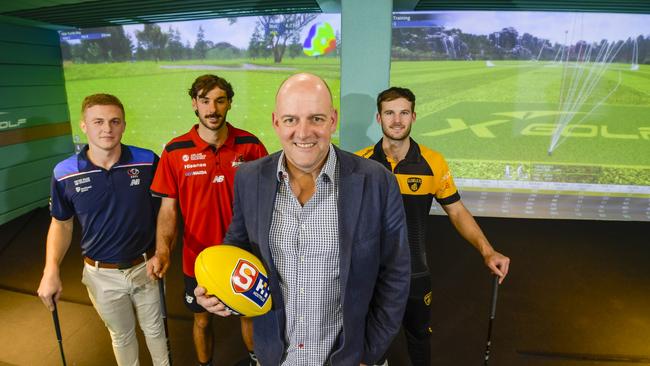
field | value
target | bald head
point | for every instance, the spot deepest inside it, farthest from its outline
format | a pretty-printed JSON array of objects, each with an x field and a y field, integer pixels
[
  {"x": 304, "y": 120},
  {"x": 304, "y": 83}
]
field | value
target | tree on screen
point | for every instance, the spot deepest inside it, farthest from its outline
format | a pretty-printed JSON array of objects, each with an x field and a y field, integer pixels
[
  {"x": 201, "y": 46},
  {"x": 175, "y": 45},
  {"x": 279, "y": 29},
  {"x": 152, "y": 42}
]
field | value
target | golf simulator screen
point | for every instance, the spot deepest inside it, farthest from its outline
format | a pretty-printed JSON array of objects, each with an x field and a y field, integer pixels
[
  {"x": 540, "y": 115},
  {"x": 150, "y": 67}
]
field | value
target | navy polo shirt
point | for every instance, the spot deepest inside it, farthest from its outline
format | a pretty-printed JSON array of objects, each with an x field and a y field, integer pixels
[{"x": 114, "y": 207}]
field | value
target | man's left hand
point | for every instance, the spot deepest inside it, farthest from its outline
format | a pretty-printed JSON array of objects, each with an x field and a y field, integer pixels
[{"x": 498, "y": 264}]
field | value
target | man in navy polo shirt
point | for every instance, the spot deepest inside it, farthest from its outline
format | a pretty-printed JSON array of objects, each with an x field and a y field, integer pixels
[{"x": 106, "y": 186}]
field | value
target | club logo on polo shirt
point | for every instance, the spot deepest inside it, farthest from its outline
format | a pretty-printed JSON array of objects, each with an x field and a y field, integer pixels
[
  {"x": 185, "y": 157},
  {"x": 414, "y": 183},
  {"x": 133, "y": 173}
]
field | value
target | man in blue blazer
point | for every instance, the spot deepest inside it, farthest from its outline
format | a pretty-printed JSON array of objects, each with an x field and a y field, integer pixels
[{"x": 331, "y": 230}]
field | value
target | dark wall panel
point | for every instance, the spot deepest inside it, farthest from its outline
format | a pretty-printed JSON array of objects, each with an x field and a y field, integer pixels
[
  {"x": 14, "y": 200},
  {"x": 27, "y": 96},
  {"x": 30, "y": 75},
  {"x": 24, "y": 174},
  {"x": 34, "y": 119},
  {"x": 29, "y": 54},
  {"x": 17, "y": 154},
  {"x": 29, "y": 35}
]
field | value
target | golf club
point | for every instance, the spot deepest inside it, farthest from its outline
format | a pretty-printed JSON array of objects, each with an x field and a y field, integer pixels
[
  {"x": 163, "y": 308},
  {"x": 57, "y": 329},
  {"x": 493, "y": 310}
]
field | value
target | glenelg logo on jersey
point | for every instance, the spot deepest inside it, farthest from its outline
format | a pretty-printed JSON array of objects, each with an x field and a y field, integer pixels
[
  {"x": 414, "y": 183},
  {"x": 427, "y": 298},
  {"x": 247, "y": 280}
]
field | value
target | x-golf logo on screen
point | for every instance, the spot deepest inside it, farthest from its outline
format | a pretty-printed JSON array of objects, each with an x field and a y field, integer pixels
[{"x": 247, "y": 280}]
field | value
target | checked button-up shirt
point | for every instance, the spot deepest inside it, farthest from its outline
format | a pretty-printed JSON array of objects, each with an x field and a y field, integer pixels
[{"x": 304, "y": 243}]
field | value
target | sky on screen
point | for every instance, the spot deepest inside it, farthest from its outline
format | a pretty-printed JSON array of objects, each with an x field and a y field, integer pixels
[
  {"x": 220, "y": 30},
  {"x": 556, "y": 27},
  {"x": 590, "y": 27}
]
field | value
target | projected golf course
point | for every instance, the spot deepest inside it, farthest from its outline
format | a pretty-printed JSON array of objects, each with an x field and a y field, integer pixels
[
  {"x": 491, "y": 122},
  {"x": 518, "y": 109},
  {"x": 156, "y": 101},
  {"x": 499, "y": 122}
]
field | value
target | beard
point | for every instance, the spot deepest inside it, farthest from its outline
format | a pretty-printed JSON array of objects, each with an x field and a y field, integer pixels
[
  {"x": 221, "y": 121},
  {"x": 396, "y": 136}
]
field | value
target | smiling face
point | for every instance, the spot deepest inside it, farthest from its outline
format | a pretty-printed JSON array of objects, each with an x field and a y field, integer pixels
[
  {"x": 212, "y": 109},
  {"x": 396, "y": 118},
  {"x": 304, "y": 120},
  {"x": 104, "y": 126}
]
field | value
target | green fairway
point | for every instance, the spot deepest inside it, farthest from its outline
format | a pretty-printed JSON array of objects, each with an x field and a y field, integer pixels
[
  {"x": 488, "y": 121},
  {"x": 159, "y": 108},
  {"x": 496, "y": 131}
]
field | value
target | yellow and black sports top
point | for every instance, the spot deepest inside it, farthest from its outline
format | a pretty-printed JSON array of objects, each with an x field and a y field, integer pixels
[{"x": 422, "y": 176}]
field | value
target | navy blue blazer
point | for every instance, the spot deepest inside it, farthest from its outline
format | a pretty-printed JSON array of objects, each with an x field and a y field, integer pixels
[{"x": 374, "y": 256}]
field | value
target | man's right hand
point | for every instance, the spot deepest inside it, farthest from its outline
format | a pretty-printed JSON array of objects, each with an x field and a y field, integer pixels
[
  {"x": 210, "y": 303},
  {"x": 50, "y": 290},
  {"x": 157, "y": 266}
]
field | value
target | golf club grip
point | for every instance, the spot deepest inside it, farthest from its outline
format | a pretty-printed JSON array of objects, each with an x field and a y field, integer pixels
[
  {"x": 57, "y": 326},
  {"x": 57, "y": 329},
  {"x": 495, "y": 293},
  {"x": 161, "y": 290}
]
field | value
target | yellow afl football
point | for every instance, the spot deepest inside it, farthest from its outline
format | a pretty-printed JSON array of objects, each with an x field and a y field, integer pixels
[{"x": 237, "y": 277}]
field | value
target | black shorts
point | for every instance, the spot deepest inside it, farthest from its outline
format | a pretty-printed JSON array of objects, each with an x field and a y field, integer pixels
[
  {"x": 417, "y": 318},
  {"x": 188, "y": 298}
]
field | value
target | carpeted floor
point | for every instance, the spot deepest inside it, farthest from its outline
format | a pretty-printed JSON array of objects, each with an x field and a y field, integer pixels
[{"x": 578, "y": 294}]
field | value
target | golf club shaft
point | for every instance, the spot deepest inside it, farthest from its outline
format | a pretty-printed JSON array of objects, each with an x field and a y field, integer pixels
[
  {"x": 495, "y": 293},
  {"x": 57, "y": 329},
  {"x": 163, "y": 308},
  {"x": 493, "y": 310}
]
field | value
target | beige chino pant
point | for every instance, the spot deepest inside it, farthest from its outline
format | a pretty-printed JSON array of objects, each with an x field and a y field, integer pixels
[{"x": 116, "y": 293}]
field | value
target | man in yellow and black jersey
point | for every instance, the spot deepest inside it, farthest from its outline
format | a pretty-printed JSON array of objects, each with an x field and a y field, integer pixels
[{"x": 423, "y": 175}]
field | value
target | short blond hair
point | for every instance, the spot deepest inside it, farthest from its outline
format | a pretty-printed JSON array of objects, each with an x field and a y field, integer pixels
[{"x": 101, "y": 99}]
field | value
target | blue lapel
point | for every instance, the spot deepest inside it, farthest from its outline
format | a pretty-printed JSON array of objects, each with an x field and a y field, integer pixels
[
  {"x": 350, "y": 196},
  {"x": 266, "y": 190}
]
